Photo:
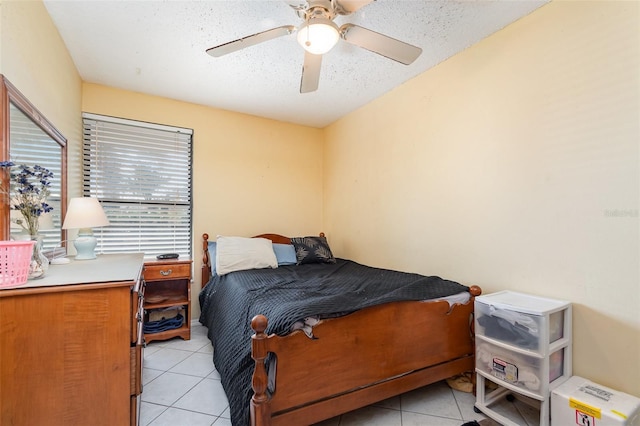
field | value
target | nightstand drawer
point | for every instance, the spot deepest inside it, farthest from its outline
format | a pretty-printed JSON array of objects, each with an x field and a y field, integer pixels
[{"x": 167, "y": 271}]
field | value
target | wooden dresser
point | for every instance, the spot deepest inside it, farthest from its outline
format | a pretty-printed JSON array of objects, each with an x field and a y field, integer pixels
[{"x": 71, "y": 345}]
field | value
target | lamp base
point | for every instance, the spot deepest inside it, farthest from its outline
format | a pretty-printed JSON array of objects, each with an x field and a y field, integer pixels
[{"x": 85, "y": 246}]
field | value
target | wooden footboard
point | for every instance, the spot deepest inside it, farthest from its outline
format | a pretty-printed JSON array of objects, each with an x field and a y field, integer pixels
[{"x": 359, "y": 359}]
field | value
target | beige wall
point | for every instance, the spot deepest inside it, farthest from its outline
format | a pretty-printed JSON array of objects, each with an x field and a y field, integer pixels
[
  {"x": 513, "y": 165},
  {"x": 34, "y": 58},
  {"x": 250, "y": 175}
]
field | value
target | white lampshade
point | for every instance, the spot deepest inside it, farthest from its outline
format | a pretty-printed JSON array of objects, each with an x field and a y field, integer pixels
[
  {"x": 318, "y": 35},
  {"x": 85, "y": 213}
]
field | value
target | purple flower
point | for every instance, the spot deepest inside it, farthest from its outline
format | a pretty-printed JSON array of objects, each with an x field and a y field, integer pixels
[{"x": 30, "y": 187}]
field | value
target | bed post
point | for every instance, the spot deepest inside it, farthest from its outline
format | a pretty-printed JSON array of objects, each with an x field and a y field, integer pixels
[
  {"x": 206, "y": 261},
  {"x": 260, "y": 409}
]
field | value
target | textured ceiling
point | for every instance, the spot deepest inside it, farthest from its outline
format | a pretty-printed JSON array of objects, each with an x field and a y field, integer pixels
[{"x": 158, "y": 48}]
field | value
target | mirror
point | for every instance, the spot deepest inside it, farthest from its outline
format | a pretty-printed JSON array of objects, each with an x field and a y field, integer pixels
[{"x": 29, "y": 138}]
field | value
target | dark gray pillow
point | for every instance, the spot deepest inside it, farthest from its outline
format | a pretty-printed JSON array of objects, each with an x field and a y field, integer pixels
[{"x": 312, "y": 250}]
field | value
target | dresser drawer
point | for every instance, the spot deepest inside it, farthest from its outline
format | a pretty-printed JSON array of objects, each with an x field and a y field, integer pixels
[{"x": 167, "y": 271}]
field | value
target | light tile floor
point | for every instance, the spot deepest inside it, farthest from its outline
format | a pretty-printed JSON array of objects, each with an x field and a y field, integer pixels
[{"x": 181, "y": 387}]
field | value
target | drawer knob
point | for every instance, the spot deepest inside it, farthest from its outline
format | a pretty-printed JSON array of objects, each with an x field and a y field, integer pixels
[{"x": 165, "y": 273}]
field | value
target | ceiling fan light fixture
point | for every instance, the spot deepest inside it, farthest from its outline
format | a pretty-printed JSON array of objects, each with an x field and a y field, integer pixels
[{"x": 318, "y": 35}]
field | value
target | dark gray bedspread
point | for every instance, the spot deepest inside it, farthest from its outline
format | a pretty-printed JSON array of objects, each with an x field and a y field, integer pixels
[{"x": 290, "y": 293}]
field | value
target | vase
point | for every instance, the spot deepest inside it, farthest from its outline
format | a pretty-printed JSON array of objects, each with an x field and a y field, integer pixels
[{"x": 39, "y": 262}]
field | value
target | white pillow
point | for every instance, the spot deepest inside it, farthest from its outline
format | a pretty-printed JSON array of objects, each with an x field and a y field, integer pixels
[{"x": 240, "y": 253}]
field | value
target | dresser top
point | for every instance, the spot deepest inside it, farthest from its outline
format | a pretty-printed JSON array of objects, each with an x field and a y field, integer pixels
[{"x": 106, "y": 268}]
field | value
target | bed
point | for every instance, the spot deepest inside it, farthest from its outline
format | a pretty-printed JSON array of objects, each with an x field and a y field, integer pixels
[{"x": 357, "y": 354}]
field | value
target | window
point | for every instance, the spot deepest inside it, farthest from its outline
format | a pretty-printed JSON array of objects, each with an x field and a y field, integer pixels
[{"x": 141, "y": 173}]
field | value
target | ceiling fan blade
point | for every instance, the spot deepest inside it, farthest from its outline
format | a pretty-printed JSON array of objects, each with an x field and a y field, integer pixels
[
  {"x": 380, "y": 44},
  {"x": 251, "y": 40},
  {"x": 310, "y": 72}
]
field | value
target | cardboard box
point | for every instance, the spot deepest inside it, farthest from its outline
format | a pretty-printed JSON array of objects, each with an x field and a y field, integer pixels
[{"x": 581, "y": 402}]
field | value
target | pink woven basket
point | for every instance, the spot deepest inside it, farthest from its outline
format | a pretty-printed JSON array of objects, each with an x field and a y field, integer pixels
[{"x": 15, "y": 257}]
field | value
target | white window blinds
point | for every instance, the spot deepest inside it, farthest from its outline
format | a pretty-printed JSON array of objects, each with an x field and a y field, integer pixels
[{"x": 141, "y": 173}]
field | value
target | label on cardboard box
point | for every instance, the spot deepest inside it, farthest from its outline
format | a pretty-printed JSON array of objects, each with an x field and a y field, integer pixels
[
  {"x": 585, "y": 408},
  {"x": 596, "y": 391}
]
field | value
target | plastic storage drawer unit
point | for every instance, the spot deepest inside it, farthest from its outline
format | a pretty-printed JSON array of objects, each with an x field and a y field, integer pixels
[
  {"x": 523, "y": 345},
  {"x": 581, "y": 402}
]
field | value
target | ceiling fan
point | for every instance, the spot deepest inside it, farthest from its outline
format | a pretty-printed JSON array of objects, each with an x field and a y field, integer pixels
[{"x": 318, "y": 34}]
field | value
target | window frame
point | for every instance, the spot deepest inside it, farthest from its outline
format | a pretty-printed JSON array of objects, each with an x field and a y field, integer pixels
[{"x": 156, "y": 208}]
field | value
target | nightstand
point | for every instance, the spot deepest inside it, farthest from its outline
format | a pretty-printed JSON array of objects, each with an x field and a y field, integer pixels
[{"x": 168, "y": 290}]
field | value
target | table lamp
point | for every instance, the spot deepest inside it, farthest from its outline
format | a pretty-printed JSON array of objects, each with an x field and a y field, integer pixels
[{"x": 83, "y": 214}]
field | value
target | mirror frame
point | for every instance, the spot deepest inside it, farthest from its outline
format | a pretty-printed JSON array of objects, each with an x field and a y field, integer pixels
[{"x": 10, "y": 95}]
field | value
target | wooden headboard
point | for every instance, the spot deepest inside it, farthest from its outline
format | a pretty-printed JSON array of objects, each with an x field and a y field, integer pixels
[{"x": 206, "y": 257}]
